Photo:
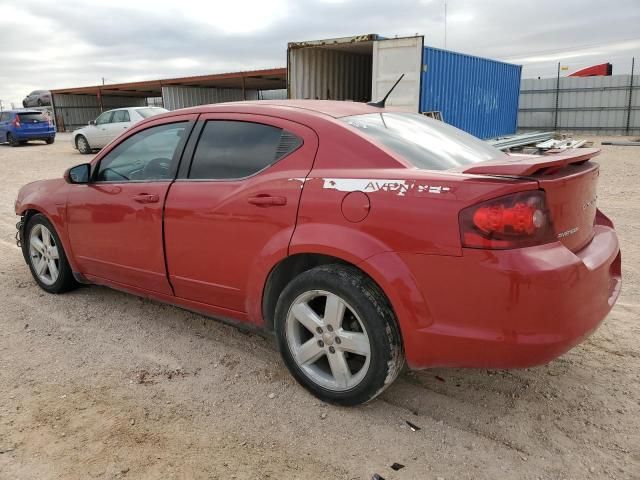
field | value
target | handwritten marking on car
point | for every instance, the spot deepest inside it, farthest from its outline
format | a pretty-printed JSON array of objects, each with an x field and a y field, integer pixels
[
  {"x": 398, "y": 187},
  {"x": 589, "y": 203},
  {"x": 568, "y": 232}
]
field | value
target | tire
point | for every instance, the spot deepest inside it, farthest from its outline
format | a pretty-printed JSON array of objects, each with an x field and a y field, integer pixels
[
  {"x": 24, "y": 104},
  {"x": 82, "y": 144},
  {"x": 13, "y": 141},
  {"x": 47, "y": 257},
  {"x": 324, "y": 362},
  {"x": 40, "y": 104},
  {"x": 50, "y": 140}
]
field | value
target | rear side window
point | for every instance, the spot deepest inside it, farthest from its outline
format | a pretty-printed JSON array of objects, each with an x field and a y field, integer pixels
[
  {"x": 120, "y": 116},
  {"x": 230, "y": 149},
  {"x": 32, "y": 117},
  {"x": 4, "y": 117}
]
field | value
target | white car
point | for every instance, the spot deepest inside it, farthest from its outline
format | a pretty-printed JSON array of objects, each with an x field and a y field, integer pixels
[{"x": 109, "y": 125}]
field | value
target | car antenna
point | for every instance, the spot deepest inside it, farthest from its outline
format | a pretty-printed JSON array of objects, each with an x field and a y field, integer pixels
[{"x": 381, "y": 103}]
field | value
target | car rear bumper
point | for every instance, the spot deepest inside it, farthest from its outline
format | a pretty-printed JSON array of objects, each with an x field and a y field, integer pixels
[
  {"x": 27, "y": 135},
  {"x": 511, "y": 308}
]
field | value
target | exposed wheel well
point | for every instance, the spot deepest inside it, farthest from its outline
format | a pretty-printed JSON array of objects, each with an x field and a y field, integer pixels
[
  {"x": 28, "y": 214},
  {"x": 286, "y": 271}
]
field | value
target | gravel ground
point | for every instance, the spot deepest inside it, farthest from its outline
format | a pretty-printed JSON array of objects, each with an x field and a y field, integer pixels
[{"x": 101, "y": 384}]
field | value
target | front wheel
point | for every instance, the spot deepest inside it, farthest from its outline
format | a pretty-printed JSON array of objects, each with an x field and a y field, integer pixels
[
  {"x": 338, "y": 335},
  {"x": 83, "y": 145},
  {"x": 46, "y": 257}
]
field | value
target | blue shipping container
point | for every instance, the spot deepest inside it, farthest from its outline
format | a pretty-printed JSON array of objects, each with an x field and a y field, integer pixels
[{"x": 477, "y": 95}]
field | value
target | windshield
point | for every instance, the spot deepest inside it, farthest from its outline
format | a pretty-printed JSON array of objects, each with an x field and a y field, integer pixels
[
  {"x": 150, "y": 112},
  {"x": 424, "y": 142}
]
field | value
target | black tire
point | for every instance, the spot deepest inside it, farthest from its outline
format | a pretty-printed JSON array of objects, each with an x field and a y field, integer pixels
[
  {"x": 40, "y": 104},
  {"x": 82, "y": 144},
  {"x": 13, "y": 141},
  {"x": 370, "y": 304},
  {"x": 24, "y": 104},
  {"x": 50, "y": 140},
  {"x": 65, "y": 280}
]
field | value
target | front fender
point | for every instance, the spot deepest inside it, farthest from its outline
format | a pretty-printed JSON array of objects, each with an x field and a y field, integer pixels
[{"x": 48, "y": 197}]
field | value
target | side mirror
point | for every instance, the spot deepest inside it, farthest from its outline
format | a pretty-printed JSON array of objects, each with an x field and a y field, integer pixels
[
  {"x": 92, "y": 122},
  {"x": 79, "y": 174}
]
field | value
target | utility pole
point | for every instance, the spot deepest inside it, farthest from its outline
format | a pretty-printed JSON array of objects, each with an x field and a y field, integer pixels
[
  {"x": 633, "y": 64},
  {"x": 555, "y": 116},
  {"x": 445, "y": 24},
  {"x": 103, "y": 80}
]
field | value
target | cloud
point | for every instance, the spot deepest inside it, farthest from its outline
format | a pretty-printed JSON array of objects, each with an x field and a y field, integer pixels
[{"x": 75, "y": 43}]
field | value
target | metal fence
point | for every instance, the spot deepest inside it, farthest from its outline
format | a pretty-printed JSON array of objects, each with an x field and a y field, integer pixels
[
  {"x": 595, "y": 105},
  {"x": 74, "y": 111}
]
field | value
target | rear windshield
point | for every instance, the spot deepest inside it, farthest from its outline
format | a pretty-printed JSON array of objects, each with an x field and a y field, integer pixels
[
  {"x": 150, "y": 112},
  {"x": 32, "y": 117},
  {"x": 424, "y": 142}
]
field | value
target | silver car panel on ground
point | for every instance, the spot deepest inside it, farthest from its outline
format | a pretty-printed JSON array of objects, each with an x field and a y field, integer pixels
[{"x": 109, "y": 125}]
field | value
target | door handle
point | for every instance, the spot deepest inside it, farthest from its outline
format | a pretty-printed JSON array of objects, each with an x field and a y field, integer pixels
[
  {"x": 146, "y": 198},
  {"x": 267, "y": 201}
]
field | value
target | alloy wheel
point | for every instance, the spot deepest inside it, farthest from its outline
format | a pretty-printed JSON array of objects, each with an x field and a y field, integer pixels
[
  {"x": 44, "y": 255},
  {"x": 327, "y": 340},
  {"x": 83, "y": 145}
]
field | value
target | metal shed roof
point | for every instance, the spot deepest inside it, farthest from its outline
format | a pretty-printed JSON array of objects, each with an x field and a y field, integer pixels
[{"x": 269, "y": 79}]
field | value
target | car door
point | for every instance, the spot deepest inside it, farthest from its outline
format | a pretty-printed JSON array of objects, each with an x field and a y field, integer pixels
[
  {"x": 115, "y": 221},
  {"x": 235, "y": 205},
  {"x": 98, "y": 134},
  {"x": 30, "y": 99}
]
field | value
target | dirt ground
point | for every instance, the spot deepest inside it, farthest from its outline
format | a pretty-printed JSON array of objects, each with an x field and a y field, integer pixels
[{"x": 101, "y": 384}]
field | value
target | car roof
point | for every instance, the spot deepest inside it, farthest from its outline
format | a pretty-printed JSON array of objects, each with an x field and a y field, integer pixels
[{"x": 332, "y": 108}]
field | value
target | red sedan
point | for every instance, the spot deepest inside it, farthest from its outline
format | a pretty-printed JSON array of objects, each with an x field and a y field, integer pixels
[{"x": 361, "y": 236}]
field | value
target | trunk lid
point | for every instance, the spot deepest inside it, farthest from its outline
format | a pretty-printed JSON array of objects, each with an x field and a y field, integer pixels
[
  {"x": 35, "y": 122},
  {"x": 569, "y": 181}
]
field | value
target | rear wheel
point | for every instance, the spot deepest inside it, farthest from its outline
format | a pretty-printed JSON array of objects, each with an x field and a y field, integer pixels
[
  {"x": 46, "y": 257},
  {"x": 13, "y": 141},
  {"x": 337, "y": 335},
  {"x": 50, "y": 140},
  {"x": 82, "y": 144}
]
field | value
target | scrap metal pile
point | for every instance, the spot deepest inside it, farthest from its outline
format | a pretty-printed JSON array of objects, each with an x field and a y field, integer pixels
[{"x": 537, "y": 142}]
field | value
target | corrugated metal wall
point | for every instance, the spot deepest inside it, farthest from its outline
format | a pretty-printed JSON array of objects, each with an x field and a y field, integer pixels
[
  {"x": 475, "y": 94},
  {"x": 175, "y": 97},
  {"x": 75, "y": 111},
  {"x": 272, "y": 94},
  {"x": 320, "y": 73},
  {"x": 597, "y": 105}
]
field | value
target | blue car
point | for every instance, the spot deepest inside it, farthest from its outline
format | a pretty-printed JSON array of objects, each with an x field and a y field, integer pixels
[{"x": 20, "y": 126}]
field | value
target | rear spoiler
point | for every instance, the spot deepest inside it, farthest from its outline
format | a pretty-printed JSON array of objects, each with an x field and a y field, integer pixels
[{"x": 527, "y": 165}]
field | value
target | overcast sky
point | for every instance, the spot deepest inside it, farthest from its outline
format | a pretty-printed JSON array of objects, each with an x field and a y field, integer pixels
[{"x": 67, "y": 43}]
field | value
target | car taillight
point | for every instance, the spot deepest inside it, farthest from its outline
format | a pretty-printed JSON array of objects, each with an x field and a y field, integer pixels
[{"x": 513, "y": 221}]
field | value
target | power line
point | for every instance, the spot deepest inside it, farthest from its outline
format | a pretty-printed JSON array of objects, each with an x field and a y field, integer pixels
[{"x": 568, "y": 49}]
